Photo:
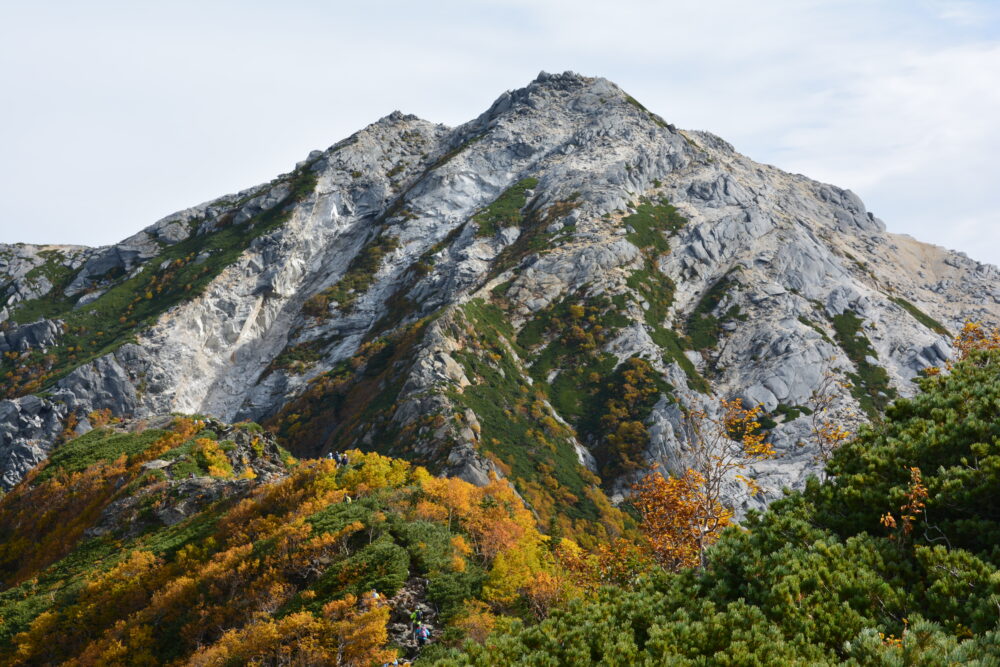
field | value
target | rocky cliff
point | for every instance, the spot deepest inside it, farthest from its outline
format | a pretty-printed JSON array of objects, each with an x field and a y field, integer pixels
[{"x": 472, "y": 298}]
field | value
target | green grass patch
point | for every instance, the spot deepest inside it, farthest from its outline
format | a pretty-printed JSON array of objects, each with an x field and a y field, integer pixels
[
  {"x": 356, "y": 280},
  {"x": 58, "y": 585},
  {"x": 505, "y": 211},
  {"x": 622, "y": 401},
  {"x": 490, "y": 316},
  {"x": 921, "y": 316},
  {"x": 573, "y": 331},
  {"x": 59, "y": 275},
  {"x": 500, "y": 291},
  {"x": 187, "y": 463},
  {"x": 20, "y": 606},
  {"x": 297, "y": 359},
  {"x": 568, "y": 336},
  {"x": 791, "y": 412},
  {"x": 569, "y": 392},
  {"x": 534, "y": 239},
  {"x": 815, "y": 327},
  {"x": 673, "y": 347},
  {"x": 168, "y": 540},
  {"x": 100, "y": 444},
  {"x": 503, "y": 400},
  {"x": 651, "y": 221},
  {"x": 870, "y": 383},
  {"x": 703, "y": 328},
  {"x": 656, "y": 289}
]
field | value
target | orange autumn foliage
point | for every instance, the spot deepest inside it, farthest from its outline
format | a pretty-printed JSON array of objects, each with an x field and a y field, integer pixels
[
  {"x": 828, "y": 433},
  {"x": 251, "y": 589},
  {"x": 222, "y": 583},
  {"x": 619, "y": 563},
  {"x": 675, "y": 522},
  {"x": 910, "y": 511},
  {"x": 56, "y": 511},
  {"x": 476, "y": 620},
  {"x": 344, "y": 635},
  {"x": 32, "y": 539},
  {"x": 683, "y": 517},
  {"x": 975, "y": 336},
  {"x": 494, "y": 517}
]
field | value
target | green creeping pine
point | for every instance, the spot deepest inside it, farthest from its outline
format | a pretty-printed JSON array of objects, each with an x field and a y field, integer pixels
[{"x": 818, "y": 578}]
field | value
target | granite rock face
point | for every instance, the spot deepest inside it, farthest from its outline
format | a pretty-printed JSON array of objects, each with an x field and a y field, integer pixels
[{"x": 350, "y": 316}]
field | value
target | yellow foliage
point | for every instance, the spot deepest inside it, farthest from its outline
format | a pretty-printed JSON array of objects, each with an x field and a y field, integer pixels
[
  {"x": 99, "y": 418},
  {"x": 976, "y": 336},
  {"x": 50, "y": 517},
  {"x": 460, "y": 546},
  {"x": 513, "y": 571},
  {"x": 675, "y": 521},
  {"x": 429, "y": 511},
  {"x": 209, "y": 454},
  {"x": 476, "y": 621},
  {"x": 721, "y": 446},
  {"x": 218, "y": 595},
  {"x": 618, "y": 563},
  {"x": 369, "y": 471},
  {"x": 342, "y": 636},
  {"x": 359, "y": 635}
]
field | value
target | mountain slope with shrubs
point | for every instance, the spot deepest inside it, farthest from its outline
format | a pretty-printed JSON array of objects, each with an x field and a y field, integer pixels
[
  {"x": 202, "y": 543},
  {"x": 195, "y": 542},
  {"x": 892, "y": 561}
]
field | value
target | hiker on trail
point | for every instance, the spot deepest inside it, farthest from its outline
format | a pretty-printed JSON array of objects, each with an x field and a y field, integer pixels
[
  {"x": 343, "y": 460},
  {"x": 416, "y": 617},
  {"x": 423, "y": 634}
]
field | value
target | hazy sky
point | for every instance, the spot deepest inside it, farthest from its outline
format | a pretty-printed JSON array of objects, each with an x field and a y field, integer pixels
[{"x": 114, "y": 114}]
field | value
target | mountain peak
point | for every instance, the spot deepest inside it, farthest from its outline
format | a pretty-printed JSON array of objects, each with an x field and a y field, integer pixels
[
  {"x": 568, "y": 76},
  {"x": 398, "y": 116},
  {"x": 465, "y": 297}
]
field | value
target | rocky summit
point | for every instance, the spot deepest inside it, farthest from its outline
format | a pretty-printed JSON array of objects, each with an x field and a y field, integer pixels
[{"x": 473, "y": 299}]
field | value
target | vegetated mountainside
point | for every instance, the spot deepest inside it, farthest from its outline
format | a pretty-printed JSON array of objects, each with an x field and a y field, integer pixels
[
  {"x": 190, "y": 541},
  {"x": 535, "y": 294},
  {"x": 893, "y": 561}
]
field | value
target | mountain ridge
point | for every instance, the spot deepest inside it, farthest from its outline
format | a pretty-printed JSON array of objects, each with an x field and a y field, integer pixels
[{"x": 443, "y": 246}]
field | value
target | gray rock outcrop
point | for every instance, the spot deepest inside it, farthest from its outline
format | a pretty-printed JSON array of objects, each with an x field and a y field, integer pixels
[{"x": 388, "y": 239}]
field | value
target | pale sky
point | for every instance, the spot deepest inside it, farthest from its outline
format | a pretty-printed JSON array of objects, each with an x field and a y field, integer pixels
[{"x": 114, "y": 114}]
